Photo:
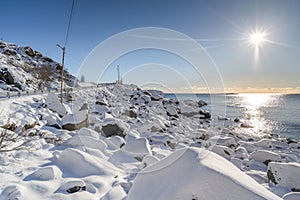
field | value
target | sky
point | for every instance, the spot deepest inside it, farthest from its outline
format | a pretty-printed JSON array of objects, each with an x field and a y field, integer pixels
[{"x": 223, "y": 29}]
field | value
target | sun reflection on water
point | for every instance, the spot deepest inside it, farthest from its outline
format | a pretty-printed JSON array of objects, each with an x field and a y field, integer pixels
[{"x": 253, "y": 108}]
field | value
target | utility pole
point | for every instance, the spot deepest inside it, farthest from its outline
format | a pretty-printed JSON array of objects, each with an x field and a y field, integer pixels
[
  {"x": 62, "y": 71},
  {"x": 118, "y": 68}
]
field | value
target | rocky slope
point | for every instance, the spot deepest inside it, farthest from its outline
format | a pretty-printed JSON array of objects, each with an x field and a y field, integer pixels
[
  {"x": 22, "y": 68},
  {"x": 120, "y": 142}
]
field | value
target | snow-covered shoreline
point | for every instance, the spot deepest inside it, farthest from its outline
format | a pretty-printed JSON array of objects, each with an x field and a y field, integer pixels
[{"x": 120, "y": 142}]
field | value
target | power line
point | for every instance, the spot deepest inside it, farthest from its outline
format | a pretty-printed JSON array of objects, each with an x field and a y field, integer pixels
[{"x": 70, "y": 20}]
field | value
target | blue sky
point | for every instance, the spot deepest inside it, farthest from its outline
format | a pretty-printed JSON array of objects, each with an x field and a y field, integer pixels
[{"x": 220, "y": 26}]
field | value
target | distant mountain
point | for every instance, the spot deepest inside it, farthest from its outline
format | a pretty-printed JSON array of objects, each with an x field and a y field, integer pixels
[{"x": 22, "y": 68}]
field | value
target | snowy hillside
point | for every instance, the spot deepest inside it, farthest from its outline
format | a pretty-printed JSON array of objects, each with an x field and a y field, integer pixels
[
  {"x": 22, "y": 68},
  {"x": 119, "y": 142}
]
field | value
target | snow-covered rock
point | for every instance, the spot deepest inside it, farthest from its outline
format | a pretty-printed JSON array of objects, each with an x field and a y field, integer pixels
[
  {"x": 83, "y": 141},
  {"x": 53, "y": 120},
  {"x": 75, "y": 121},
  {"x": 75, "y": 163},
  {"x": 137, "y": 148},
  {"x": 265, "y": 156},
  {"x": 223, "y": 140},
  {"x": 14, "y": 192},
  {"x": 285, "y": 174},
  {"x": 171, "y": 110},
  {"x": 223, "y": 151},
  {"x": 54, "y": 104},
  {"x": 195, "y": 173},
  {"x": 156, "y": 94},
  {"x": 79, "y": 104},
  {"x": 45, "y": 174},
  {"x": 292, "y": 196},
  {"x": 112, "y": 126}
]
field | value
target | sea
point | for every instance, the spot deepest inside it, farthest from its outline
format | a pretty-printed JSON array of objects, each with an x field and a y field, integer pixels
[{"x": 261, "y": 113}]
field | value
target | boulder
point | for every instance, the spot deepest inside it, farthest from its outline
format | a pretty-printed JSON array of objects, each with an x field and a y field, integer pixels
[
  {"x": 14, "y": 192},
  {"x": 112, "y": 129},
  {"x": 75, "y": 121},
  {"x": 292, "y": 196},
  {"x": 6, "y": 76},
  {"x": 55, "y": 105},
  {"x": 111, "y": 126},
  {"x": 76, "y": 163},
  {"x": 137, "y": 148},
  {"x": 225, "y": 141},
  {"x": 29, "y": 51},
  {"x": 79, "y": 104},
  {"x": 101, "y": 101},
  {"x": 9, "y": 52},
  {"x": 53, "y": 121},
  {"x": 223, "y": 151},
  {"x": 189, "y": 111},
  {"x": 264, "y": 156},
  {"x": 201, "y": 103},
  {"x": 285, "y": 174},
  {"x": 205, "y": 113},
  {"x": 45, "y": 58},
  {"x": 130, "y": 113},
  {"x": 171, "y": 111},
  {"x": 195, "y": 173},
  {"x": 155, "y": 95},
  {"x": 45, "y": 174}
]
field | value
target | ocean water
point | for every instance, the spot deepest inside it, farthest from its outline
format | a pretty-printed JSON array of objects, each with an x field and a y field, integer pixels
[{"x": 265, "y": 113}]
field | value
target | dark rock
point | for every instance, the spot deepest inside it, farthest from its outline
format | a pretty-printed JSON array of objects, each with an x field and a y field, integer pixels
[
  {"x": 273, "y": 135},
  {"x": 29, "y": 51},
  {"x": 295, "y": 190},
  {"x": 6, "y": 76},
  {"x": 45, "y": 58},
  {"x": 266, "y": 162},
  {"x": 147, "y": 93},
  {"x": 73, "y": 127},
  {"x": 101, "y": 103},
  {"x": 243, "y": 125},
  {"x": 271, "y": 177},
  {"x": 10, "y": 52},
  {"x": 206, "y": 114},
  {"x": 291, "y": 140},
  {"x": 74, "y": 189},
  {"x": 28, "y": 126},
  {"x": 38, "y": 54},
  {"x": 9, "y": 126},
  {"x": 112, "y": 129},
  {"x": 236, "y": 120},
  {"x": 131, "y": 113},
  {"x": 84, "y": 106},
  {"x": 202, "y": 103}
]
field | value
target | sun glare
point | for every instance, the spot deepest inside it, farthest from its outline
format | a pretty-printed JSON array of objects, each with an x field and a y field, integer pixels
[{"x": 257, "y": 38}]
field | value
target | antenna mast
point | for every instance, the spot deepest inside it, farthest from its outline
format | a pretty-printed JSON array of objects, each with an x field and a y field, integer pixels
[{"x": 118, "y": 68}]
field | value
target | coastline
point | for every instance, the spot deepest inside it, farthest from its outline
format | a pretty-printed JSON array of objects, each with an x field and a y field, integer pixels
[{"x": 130, "y": 139}]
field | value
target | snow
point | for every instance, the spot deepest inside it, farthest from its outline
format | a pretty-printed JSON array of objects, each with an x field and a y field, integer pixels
[
  {"x": 139, "y": 147},
  {"x": 158, "y": 153},
  {"x": 45, "y": 174},
  {"x": 263, "y": 155},
  {"x": 286, "y": 174},
  {"x": 75, "y": 163},
  {"x": 292, "y": 196},
  {"x": 54, "y": 104},
  {"x": 75, "y": 118},
  {"x": 195, "y": 174}
]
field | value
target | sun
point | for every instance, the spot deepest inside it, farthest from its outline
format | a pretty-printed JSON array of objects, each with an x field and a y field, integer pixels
[{"x": 257, "y": 38}]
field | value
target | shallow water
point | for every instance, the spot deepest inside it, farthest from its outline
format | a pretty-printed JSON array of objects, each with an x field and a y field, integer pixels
[{"x": 266, "y": 113}]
